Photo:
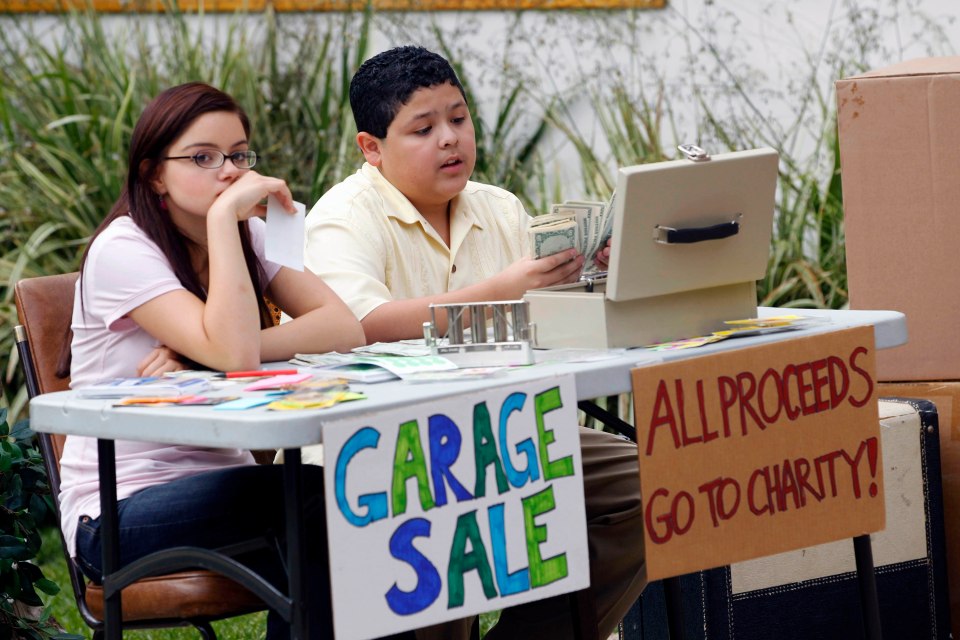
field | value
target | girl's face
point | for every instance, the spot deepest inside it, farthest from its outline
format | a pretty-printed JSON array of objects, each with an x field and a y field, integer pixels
[{"x": 190, "y": 190}]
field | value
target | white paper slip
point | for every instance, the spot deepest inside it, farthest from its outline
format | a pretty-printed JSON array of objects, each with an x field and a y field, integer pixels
[
  {"x": 285, "y": 234},
  {"x": 371, "y": 368}
]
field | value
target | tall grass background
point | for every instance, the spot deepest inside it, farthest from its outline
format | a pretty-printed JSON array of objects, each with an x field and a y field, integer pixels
[
  {"x": 70, "y": 93},
  {"x": 70, "y": 96}
]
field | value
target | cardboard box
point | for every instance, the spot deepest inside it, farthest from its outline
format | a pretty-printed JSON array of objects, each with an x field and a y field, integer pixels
[
  {"x": 690, "y": 240},
  {"x": 900, "y": 168},
  {"x": 946, "y": 396}
]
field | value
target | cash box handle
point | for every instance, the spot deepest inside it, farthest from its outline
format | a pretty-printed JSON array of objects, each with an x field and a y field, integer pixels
[{"x": 669, "y": 235}]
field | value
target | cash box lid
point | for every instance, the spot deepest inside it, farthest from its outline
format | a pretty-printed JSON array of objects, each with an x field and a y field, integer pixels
[{"x": 683, "y": 225}]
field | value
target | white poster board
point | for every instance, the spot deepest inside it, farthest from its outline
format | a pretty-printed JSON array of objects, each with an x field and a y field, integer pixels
[{"x": 453, "y": 508}]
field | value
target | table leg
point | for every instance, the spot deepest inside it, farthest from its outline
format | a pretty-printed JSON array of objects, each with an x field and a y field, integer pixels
[
  {"x": 293, "y": 483},
  {"x": 109, "y": 537},
  {"x": 673, "y": 598},
  {"x": 866, "y": 578}
]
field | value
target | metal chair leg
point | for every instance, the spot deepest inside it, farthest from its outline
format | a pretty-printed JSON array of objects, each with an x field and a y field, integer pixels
[{"x": 206, "y": 631}]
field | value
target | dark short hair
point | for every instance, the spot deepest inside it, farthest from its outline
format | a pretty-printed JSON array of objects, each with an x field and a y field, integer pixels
[{"x": 385, "y": 82}]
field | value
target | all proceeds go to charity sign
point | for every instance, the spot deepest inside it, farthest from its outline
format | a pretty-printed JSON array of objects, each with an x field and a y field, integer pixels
[
  {"x": 454, "y": 507},
  {"x": 757, "y": 451}
]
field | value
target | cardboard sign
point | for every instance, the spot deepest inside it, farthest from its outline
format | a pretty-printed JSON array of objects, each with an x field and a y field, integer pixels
[
  {"x": 453, "y": 508},
  {"x": 758, "y": 451}
]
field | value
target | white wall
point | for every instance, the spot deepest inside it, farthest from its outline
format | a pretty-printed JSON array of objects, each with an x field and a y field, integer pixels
[{"x": 765, "y": 66}]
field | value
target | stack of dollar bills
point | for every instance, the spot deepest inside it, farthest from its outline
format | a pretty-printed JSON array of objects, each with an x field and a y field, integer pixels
[{"x": 574, "y": 224}]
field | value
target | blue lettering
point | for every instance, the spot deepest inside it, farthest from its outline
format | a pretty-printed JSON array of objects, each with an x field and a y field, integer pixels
[
  {"x": 375, "y": 504},
  {"x": 445, "y": 441},
  {"x": 509, "y": 583},
  {"x": 531, "y": 473},
  {"x": 406, "y": 603}
]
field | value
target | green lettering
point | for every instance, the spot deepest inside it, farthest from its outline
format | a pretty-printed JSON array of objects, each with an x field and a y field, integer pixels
[
  {"x": 542, "y": 572},
  {"x": 408, "y": 462},
  {"x": 544, "y": 403},
  {"x": 461, "y": 561},
  {"x": 485, "y": 452}
]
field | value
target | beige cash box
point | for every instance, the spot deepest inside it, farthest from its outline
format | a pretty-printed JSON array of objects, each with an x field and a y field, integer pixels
[{"x": 690, "y": 239}]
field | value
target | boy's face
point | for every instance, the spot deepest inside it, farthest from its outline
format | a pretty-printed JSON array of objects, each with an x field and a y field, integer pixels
[{"x": 429, "y": 151}]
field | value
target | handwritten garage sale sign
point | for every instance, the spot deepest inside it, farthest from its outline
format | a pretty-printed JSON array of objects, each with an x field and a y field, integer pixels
[
  {"x": 456, "y": 507},
  {"x": 753, "y": 452}
]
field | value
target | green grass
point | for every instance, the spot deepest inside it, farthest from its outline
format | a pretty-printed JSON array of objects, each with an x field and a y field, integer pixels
[{"x": 64, "y": 609}]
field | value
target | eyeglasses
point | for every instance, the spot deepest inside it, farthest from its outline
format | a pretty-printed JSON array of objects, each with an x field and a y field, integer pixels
[{"x": 213, "y": 159}]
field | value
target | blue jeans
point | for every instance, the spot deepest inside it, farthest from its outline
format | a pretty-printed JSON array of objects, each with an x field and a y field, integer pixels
[{"x": 220, "y": 508}]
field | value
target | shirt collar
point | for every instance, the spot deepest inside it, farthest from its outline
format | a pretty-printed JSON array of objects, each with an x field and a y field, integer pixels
[{"x": 396, "y": 205}]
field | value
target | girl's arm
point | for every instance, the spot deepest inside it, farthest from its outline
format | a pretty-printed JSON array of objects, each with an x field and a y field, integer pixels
[
  {"x": 321, "y": 322},
  {"x": 224, "y": 332}
]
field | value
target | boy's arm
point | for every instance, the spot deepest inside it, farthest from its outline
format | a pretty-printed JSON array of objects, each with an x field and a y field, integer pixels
[
  {"x": 349, "y": 253},
  {"x": 403, "y": 319},
  {"x": 348, "y": 258}
]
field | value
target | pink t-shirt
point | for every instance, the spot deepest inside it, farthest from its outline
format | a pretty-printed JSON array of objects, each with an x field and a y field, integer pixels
[{"x": 125, "y": 269}]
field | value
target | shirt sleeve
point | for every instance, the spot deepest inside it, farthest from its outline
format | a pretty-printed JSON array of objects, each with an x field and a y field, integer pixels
[
  {"x": 124, "y": 270},
  {"x": 343, "y": 249}
]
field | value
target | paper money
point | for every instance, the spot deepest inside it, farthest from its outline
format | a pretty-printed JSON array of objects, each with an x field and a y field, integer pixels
[
  {"x": 552, "y": 233},
  {"x": 581, "y": 225}
]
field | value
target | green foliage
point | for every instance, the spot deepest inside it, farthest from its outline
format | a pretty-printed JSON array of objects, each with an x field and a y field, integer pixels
[
  {"x": 69, "y": 101},
  {"x": 70, "y": 94},
  {"x": 25, "y": 503},
  {"x": 508, "y": 143},
  {"x": 730, "y": 104}
]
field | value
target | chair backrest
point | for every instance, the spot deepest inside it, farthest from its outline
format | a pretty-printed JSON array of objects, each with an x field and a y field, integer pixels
[{"x": 45, "y": 309}]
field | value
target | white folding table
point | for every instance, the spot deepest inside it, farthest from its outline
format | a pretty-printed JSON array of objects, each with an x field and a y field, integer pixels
[{"x": 65, "y": 413}]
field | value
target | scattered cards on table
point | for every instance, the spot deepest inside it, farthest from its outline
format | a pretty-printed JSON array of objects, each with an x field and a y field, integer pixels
[{"x": 742, "y": 329}]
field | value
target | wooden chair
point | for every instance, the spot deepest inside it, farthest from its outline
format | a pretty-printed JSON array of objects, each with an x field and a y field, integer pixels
[{"x": 44, "y": 309}]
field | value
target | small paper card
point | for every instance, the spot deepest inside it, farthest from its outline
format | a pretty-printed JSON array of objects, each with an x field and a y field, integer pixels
[
  {"x": 285, "y": 234},
  {"x": 275, "y": 382},
  {"x": 243, "y": 403}
]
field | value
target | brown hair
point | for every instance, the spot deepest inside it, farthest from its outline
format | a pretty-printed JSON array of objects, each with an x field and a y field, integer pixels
[{"x": 163, "y": 120}]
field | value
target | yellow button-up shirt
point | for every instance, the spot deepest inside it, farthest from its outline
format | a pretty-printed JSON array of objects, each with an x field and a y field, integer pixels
[{"x": 371, "y": 245}]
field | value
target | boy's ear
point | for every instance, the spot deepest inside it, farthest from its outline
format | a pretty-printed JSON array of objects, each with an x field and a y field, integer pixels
[{"x": 370, "y": 147}]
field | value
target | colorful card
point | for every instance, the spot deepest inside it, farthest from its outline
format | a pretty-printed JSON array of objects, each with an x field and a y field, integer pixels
[
  {"x": 240, "y": 404},
  {"x": 277, "y": 382}
]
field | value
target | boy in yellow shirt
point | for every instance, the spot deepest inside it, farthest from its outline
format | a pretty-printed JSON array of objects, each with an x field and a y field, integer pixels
[{"x": 410, "y": 229}]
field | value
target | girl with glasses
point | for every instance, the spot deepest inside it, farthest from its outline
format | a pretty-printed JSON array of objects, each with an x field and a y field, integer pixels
[{"x": 176, "y": 273}]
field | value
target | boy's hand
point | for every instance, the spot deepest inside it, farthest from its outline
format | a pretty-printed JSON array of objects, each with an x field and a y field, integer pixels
[
  {"x": 530, "y": 273},
  {"x": 159, "y": 361},
  {"x": 602, "y": 257}
]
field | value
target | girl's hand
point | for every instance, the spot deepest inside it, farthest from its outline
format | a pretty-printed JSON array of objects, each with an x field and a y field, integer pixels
[
  {"x": 245, "y": 197},
  {"x": 160, "y": 361}
]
